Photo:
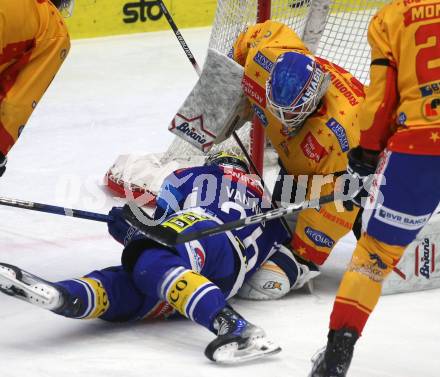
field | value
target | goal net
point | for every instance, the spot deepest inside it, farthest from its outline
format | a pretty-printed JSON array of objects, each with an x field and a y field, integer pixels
[{"x": 334, "y": 30}]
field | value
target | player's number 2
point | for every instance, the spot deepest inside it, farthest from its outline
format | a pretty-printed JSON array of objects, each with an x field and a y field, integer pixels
[{"x": 428, "y": 58}]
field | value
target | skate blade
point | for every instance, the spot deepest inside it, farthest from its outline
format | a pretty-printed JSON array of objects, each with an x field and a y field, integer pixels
[{"x": 257, "y": 348}]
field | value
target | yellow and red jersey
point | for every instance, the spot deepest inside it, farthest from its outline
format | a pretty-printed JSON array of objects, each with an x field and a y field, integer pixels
[
  {"x": 33, "y": 44},
  {"x": 321, "y": 145},
  {"x": 402, "y": 109}
]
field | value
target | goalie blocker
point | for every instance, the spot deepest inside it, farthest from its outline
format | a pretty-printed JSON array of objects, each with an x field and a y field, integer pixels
[{"x": 216, "y": 105}]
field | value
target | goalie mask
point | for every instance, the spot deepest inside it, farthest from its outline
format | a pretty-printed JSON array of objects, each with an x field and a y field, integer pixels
[
  {"x": 64, "y": 6},
  {"x": 294, "y": 89},
  {"x": 228, "y": 160}
]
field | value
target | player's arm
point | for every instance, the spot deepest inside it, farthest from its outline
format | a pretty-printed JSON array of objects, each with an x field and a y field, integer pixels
[
  {"x": 261, "y": 36},
  {"x": 377, "y": 112},
  {"x": 169, "y": 199}
]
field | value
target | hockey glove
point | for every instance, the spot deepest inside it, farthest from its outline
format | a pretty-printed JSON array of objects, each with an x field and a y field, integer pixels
[
  {"x": 361, "y": 167},
  {"x": 120, "y": 229},
  {"x": 3, "y": 161}
]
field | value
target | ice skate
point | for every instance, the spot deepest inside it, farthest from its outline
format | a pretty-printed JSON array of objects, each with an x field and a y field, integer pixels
[
  {"x": 238, "y": 340},
  {"x": 30, "y": 288},
  {"x": 334, "y": 360}
]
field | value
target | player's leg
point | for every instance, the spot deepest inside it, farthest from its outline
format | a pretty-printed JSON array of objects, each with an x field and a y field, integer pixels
[
  {"x": 315, "y": 231},
  {"x": 33, "y": 44},
  {"x": 318, "y": 231},
  {"x": 108, "y": 294},
  {"x": 315, "y": 234},
  {"x": 389, "y": 225},
  {"x": 195, "y": 280}
]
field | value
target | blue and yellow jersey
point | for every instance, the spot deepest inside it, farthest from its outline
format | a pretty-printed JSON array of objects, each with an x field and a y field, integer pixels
[{"x": 227, "y": 195}]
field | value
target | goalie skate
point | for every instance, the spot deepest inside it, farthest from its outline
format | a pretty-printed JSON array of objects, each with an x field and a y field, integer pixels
[
  {"x": 238, "y": 340},
  {"x": 30, "y": 288}
]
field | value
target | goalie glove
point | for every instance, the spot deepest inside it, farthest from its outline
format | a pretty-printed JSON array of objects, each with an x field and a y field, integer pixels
[
  {"x": 361, "y": 168},
  {"x": 3, "y": 161}
]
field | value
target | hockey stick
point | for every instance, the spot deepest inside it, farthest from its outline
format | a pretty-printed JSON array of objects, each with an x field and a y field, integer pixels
[
  {"x": 179, "y": 36},
  {"x": 55, "y": 209},
  {"x": 234, "y": 134},
  {"x": 169, "y": 238}
]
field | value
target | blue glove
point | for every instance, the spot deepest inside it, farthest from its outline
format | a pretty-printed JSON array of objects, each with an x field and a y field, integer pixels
[
  {"x": 361, "y": 167},
  {"x": 120, "y": 229},
  {"x": 3, "y": 161}
]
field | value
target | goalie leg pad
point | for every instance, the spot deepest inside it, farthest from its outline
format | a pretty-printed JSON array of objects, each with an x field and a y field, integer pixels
[
  {"x": 280, "y": 274},
  {"x": 270, "y": 282}
]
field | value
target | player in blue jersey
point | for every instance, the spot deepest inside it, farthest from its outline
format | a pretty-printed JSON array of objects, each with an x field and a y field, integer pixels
[{"x": 193, "y": 279}]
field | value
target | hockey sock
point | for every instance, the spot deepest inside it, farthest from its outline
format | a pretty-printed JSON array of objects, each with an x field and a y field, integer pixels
[
  {"x": 193, "y": 295},
  {"x": 161, "y": 273},
  {"x": 361, "y": 285},
  {"x": 83, "y": 298}
]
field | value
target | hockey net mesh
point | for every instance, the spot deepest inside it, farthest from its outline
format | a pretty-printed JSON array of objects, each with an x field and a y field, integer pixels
[{"x": 334, "y": 30}]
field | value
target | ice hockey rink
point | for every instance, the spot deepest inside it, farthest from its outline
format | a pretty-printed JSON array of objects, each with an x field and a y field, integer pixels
[{"x": 115, "y": 96}]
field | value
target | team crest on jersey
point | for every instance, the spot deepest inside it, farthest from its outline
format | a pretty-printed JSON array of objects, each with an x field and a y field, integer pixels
[
  {"x": 196, "y": 254},
  {"x": 425, "y": 258},
  {"x": 431, "y": 109}
]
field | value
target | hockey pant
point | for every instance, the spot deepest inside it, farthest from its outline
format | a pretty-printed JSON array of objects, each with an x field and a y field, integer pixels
[
  {"x": 400, "y": 205},
  {"x": 316, "y": 231}
]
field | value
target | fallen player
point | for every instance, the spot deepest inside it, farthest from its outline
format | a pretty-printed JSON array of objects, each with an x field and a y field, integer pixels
[{"x": 194, "y": 279}]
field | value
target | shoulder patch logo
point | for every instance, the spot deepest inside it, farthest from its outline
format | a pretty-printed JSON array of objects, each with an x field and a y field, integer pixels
[
  {"x": 340, "y": 134},
  {"x": 263, "y": 61}
]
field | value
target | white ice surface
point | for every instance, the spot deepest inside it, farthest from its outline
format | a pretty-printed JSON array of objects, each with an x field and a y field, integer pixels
[{"x": 115, "y": 96}]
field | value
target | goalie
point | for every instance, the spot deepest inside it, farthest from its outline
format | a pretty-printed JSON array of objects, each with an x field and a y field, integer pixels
[{"x": 193, "y": 279}]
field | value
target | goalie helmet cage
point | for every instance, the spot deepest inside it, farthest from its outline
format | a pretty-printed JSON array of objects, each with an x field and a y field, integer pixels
[{"x": 335, "y": 30}]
